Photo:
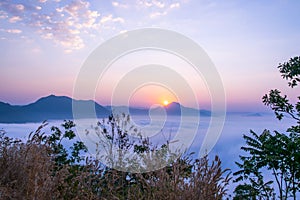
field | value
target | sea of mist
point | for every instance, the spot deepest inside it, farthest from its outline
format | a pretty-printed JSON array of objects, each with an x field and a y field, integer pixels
[{"x": 227, "y": 146}]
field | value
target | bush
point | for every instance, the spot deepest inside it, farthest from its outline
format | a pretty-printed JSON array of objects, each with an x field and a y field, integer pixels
[{"x": 42, "y": 168}]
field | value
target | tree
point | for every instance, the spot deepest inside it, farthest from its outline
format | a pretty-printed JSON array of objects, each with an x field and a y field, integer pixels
[
  {"x": 276, "y": 152},
  {"x": 245, "y": 192}
]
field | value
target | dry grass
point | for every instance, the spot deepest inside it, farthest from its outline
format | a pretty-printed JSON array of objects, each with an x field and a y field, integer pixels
[{"x": 28, "y": 170}]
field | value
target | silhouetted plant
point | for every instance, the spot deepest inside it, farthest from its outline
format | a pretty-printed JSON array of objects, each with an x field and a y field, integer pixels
[
  {"x": 42, "y": 168},
  {"x": 278, "y": 153},
  {"x": 123, "y": 147}
]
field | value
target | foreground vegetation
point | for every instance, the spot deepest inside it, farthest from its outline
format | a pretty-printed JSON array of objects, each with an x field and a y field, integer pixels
[
  {"x": 42, "y": 168},
  {"x": 276, "y": 153}
]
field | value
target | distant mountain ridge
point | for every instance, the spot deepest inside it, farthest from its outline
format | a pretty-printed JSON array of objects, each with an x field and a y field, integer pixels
[
  {"x": 173, "y": 108},
  {"x": 60, "y": 107},
  {"x": 46, "y": 108}
]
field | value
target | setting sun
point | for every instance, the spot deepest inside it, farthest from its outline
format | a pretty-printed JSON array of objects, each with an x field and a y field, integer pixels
[{"x": 166, "y": 102}]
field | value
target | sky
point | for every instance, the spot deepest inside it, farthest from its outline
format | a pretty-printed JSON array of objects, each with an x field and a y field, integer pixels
[{"x": 44, "y": 44}]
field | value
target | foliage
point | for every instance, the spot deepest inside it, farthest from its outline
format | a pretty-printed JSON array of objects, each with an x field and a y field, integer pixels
[
  {"x": 290, "y": 71},
  {"x": 278, "y": 153},
  {"x": 245, "y": 192},
  {"x": 126, "y": 148},
  {"x": 42, "y": 167}
]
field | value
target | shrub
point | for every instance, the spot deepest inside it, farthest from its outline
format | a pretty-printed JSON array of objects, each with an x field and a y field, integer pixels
[{"x": 42, "y": 168}]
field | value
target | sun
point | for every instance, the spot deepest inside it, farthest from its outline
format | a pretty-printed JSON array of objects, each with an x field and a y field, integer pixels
[{"x": 166, "y": 102}]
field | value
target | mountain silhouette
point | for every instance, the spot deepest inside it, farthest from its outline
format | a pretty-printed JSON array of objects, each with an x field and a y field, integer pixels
[
  {"x": 60, "y": 107},
  {"x": 47, "y": 108},
  {"x": 173, "y": 108}
]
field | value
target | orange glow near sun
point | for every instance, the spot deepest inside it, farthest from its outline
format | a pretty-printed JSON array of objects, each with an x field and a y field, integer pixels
[
  {"x": 151, "y": 95},
  {"x": 166, "y": 102}
]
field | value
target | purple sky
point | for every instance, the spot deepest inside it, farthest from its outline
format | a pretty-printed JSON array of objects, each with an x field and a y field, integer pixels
[{"x": 45, "y": 42}]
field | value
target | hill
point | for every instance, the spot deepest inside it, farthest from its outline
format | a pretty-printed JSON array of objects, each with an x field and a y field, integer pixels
[
  {"x": 173, "y": 108},
  {"x": 47, "y": 108}
]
